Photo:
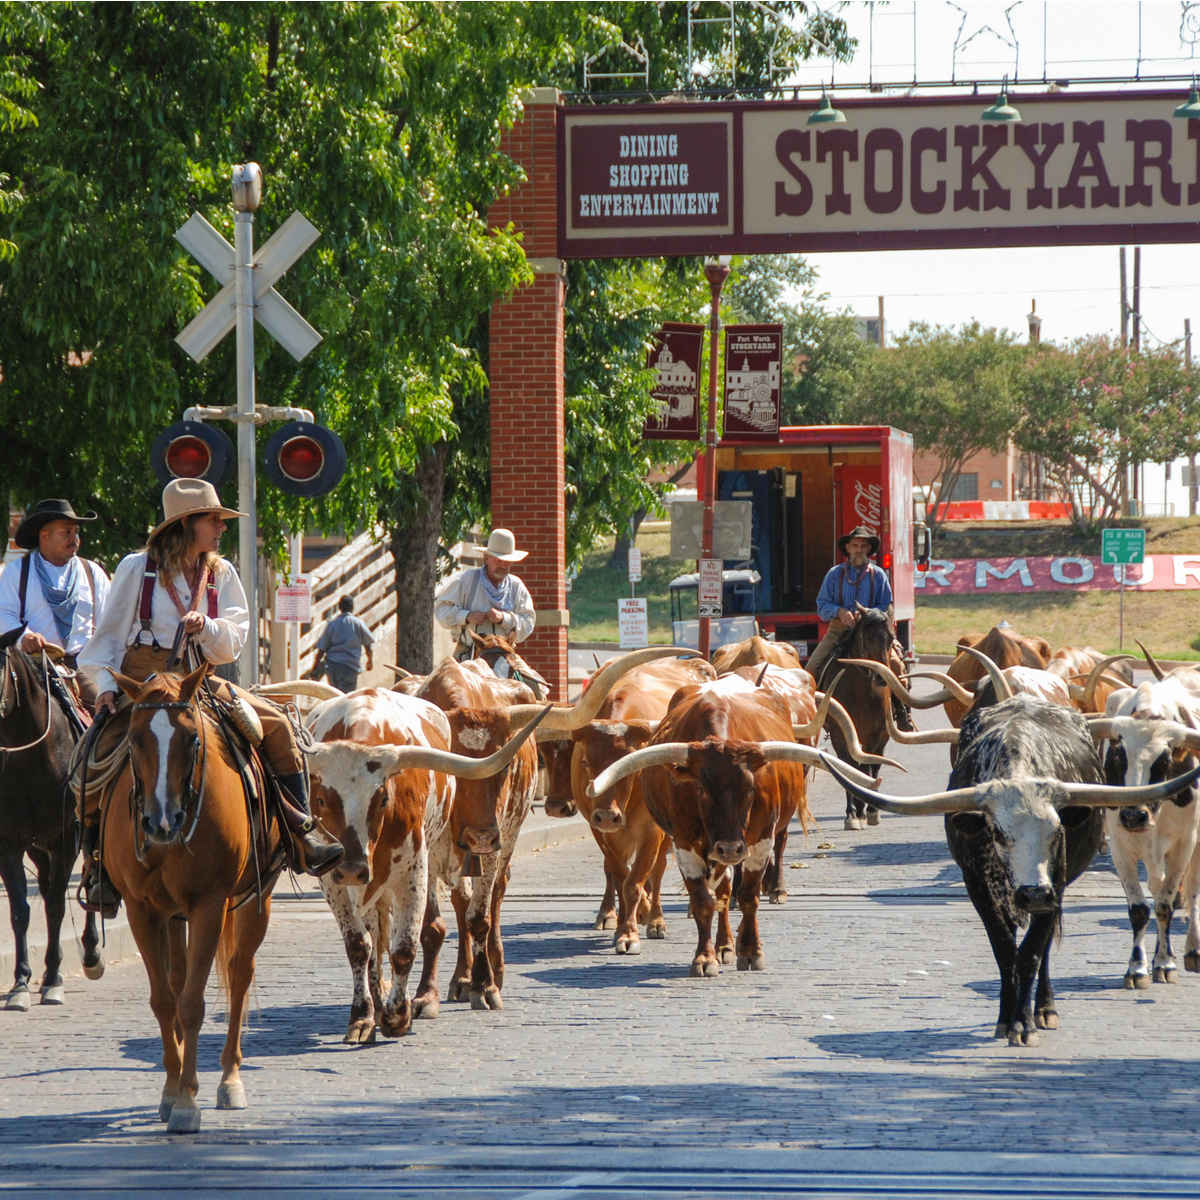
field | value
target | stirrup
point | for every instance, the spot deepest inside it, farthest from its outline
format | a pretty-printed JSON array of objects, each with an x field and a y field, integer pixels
[
  {"x": 90, "y": 896},
  {"x": 316, "y": 857}
]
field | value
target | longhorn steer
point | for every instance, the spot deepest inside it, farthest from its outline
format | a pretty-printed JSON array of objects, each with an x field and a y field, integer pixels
[
  {"x": 1154, "y": 733},
  {"x": 752, "y": 652},
  {"x": 1006, "y": 648},
  {"x": 1021, "y": 822}
]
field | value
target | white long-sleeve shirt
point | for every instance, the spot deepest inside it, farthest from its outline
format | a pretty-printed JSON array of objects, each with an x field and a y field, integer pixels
[
  {"x": 38, "y": 616},
  {"x": 465, "y": 594},
  {"x": 221, "y": 639}
]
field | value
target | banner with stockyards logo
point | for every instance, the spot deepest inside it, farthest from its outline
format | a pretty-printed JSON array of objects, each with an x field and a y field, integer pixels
[
  {"x": 753, "y": 381},
  {"x": 675, "y": 359}
]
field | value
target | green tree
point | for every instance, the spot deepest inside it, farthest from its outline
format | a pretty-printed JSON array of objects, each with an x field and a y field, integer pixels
[{"x": 955, "y": 392}]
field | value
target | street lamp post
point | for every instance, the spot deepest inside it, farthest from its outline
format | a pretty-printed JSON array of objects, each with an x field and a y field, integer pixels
[{"x": 716, "y": 271}]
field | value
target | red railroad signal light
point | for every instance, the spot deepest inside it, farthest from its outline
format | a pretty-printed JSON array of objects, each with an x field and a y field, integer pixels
[
  {"x": 192, "y": 450},
  {"x": 304, "y": 459}
]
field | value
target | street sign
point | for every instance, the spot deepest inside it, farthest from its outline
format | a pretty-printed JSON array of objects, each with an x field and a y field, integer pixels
[
  {"x": 633, "y": 623},
  {"x": 710, "y": 591},
  {"x": 635, "y": 564},
  {"x": 1123, "y": 546},
  {"x": 293, "y": 601},
  {"x": 733, "y": 523},
  {"x": 271, "y": 310}
]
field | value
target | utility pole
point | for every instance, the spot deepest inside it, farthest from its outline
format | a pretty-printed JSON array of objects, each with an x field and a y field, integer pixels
[
  {"x": 1187, "y": 352},
  {"x": 882, "y": 328},
  {"x": 1137, "y": 297},
  {"x": 1124, "y": 306}
]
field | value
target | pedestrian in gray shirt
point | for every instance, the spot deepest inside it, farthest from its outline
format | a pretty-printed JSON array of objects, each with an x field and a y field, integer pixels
[{"x": 340, "y": 646}]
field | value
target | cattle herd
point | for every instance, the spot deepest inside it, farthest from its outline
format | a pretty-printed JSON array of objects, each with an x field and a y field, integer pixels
[{"x": 427, "y": 785}]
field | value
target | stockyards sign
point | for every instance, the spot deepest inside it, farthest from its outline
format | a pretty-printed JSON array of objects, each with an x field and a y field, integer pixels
[
  {"x": 753, "y": 361},
  {"x": 971, "y": 576},
  {"x": 752, "y": 177}
]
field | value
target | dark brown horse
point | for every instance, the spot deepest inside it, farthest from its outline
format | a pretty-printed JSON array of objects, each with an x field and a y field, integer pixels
[
  {"x": 37, "y": 818},
  {"x": 180, "y": 846}
]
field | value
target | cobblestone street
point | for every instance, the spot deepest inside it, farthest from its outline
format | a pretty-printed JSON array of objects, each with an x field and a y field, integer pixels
[{"x": 860, "y": 1062}]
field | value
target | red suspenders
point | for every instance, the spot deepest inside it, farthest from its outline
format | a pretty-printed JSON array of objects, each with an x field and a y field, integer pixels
[{"x": 148, "y": 578}]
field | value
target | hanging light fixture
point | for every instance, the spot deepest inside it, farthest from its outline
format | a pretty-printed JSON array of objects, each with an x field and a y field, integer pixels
[
  {"x": 825, "y": 113},
  {"x": 1002, "y": 111},
  {"x": 1190, "y": 111}
]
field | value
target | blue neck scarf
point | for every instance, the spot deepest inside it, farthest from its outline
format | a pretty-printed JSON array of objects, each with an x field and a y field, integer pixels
[
  {"x": 499, "y": 594},
  {"x": 62, "y": 601}
]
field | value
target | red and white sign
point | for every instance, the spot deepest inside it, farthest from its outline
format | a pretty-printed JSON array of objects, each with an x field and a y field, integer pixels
[
  {"x": 293, "y": 601},
  {"x": 971, "y": 576},
  {"x": 753, "y": 381},
  {"x": 710, "y": 590},
  {"x": 860, "y": 499},
  {"x": 633, "y": 624},
  {"x": 675, "y": 359}
]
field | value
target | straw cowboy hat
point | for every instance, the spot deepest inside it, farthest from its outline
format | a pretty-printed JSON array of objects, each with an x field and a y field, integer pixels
[
  {"x": 502, "y": 545},
  {"x": 861, "y": 532},
  {"x": 43, "y": 513},
  {"x": 185, "y": 497}
]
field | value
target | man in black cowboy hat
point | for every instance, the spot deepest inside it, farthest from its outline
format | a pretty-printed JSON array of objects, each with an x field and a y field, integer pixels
[
  {"x": 52, "y": 593},
  {"x": 853, "y": 582}
]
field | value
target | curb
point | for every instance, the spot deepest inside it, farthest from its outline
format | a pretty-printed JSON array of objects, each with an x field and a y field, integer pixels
[
  {"x": 118, "y": 945},
  {"x": 541, "y": 831}
]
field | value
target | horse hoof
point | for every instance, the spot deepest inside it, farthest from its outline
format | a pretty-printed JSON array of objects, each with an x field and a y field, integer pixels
[
  {"x": 656, "y": 931},
  {"x": 852, "y": 823},
  {"x": 1001, "y": 1030},
  {"x": 778, "y": 897},
  {"x": 1191, "y": 961},
  {"x": 426, "y": 1008},
  {"x": 185, "y": 1118},
  {"x": 164, "y": 1107},
  {"x": 1166, "y": 975},
  {"x": 231, "y": 1095},
  {"x": 872, "y": 816},
  {"x": 94, "y": 970},
  {"x": 54, "y": 995},
  {"x": 18, "y": 1000}
]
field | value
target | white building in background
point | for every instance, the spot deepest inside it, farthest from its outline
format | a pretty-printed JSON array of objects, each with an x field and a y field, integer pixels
[{"x": 676, "y": 386}]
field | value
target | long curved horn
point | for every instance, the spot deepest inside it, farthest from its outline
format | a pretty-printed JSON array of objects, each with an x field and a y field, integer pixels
[
  {"x": 898, "y": 689},
  {"x": 1088, "y": 696},
  {"x": 790, "y": 752},
  {"x": 1003, "y": 687},
  {"x": 1159, "y": 673},
  {"x": 578, "y": 715},
  {"x": 959, "y": 800},
  {"x": 639, "y": 760},
  {"x": 1182, "y": 737},
  {"x": 1100, "y": 727},
  {"x": 399, "y": 672},
  {"x": 814, "y": 727},
  {"x": 300, "y": 687},
  {"x": 761, "y": 675},
  {"x": 425, "y": 758},
  {"x": 841, "y": 718},
  {"x": 927, "y": 738},
  {"x": 1102, "y": 795},
  {"x": 959, "y": 691}
]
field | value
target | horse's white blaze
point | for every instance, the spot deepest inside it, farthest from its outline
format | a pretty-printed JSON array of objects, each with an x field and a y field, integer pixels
[{"x": 161, "y": 727}]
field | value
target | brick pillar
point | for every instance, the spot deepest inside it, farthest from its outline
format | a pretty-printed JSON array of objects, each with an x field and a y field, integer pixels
[{"x": 526, "y": 375}]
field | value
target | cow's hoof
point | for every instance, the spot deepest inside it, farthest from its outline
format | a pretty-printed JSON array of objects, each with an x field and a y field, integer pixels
[
  {"x": 1001, "y": 1030},
  {"x": 656, "y": 931},
  {"x": 1046, "y": 1020},
  {"x": 185, "y": 1117},
  {"x": 165, "y": 1104},
  {"x": 1140, "y": 982},
  {"x": 54, "y": 995},
  {"x": 1166, "y": 975},
  {"x": 395, "y": 1024},
  {"x": 852, "y": 823},
  {"x": 360, "y": 1033},
  {"x": 426, "y": 1008},
  {"x": 459, "y": 989},
  {"x": 18, "y": 1000},
  {"x": 725, "y": 954},
  {"x": 1191, "y": 961},
  {"x": 627, "y": 944},
  {"x": 93, "y": 970},
  {"x": 1031, "y": 1038},
  {"x": 488, "y": 998},
  {"x": 779, "y": 896},
  {"x": 872, "y": 816},
  {"x": 231, "y": 1095},
  {"x": 745, "y": 963},
  {"x": 705, "y": 968},
  {"x": 605, "y": 921}
]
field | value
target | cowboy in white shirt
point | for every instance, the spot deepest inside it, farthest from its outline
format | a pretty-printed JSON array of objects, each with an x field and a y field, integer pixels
[
  {"x": 53, "y": 594},
  {"x": 489, "y": 600}
]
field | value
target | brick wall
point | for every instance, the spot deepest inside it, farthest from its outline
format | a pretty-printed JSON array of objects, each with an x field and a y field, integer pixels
[
  {"x": 987, "y": 465},
  {"x": 526, "y": 371}
]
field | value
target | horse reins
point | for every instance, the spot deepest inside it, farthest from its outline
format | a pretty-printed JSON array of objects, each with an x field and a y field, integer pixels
[
  {"x": 199, "y": 753},
  {"x": 49, "y": 702}
]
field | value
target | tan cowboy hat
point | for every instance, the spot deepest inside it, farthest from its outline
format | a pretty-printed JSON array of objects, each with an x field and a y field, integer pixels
[
  {"x": 502, "y": 545},
  {"x": 186, "y": 497}
]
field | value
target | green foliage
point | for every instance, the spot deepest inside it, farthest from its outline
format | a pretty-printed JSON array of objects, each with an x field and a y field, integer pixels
[{"x": 954, "y": 391}]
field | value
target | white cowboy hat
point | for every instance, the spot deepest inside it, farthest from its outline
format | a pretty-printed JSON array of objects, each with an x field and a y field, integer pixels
[
  {"x": 185, "y": 497},
  {"x": 502, "y": 545}
]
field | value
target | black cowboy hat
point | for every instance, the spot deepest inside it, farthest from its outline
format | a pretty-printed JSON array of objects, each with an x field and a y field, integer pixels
[
  {"x": 860, "y": 532},
  {"x": 42, "y": 513}
]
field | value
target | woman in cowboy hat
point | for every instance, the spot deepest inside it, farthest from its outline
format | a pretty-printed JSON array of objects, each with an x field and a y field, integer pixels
[
  {"x": 488, "y": 599},
  {"x": 53, "y": 594},
  {"x": 181, "y": 579}
]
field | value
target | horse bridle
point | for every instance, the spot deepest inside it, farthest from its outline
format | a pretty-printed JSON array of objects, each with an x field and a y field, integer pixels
[
  {"x": 4, "y": 693},
  {"x": 193, "y": 795}
]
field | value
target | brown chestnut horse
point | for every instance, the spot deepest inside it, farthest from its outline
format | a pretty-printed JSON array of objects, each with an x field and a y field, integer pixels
[{"x": 179, "y": 846}]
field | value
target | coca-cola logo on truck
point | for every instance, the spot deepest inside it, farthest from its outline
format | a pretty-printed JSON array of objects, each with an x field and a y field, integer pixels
[{"x": 868, "y": 505}]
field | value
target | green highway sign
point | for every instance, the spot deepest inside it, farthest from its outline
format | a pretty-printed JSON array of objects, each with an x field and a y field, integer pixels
[{"x": 1123, "y": 546}]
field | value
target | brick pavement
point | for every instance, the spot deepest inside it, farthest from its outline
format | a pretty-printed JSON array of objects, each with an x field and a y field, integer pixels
[{"x": 867, "y": 1035}]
